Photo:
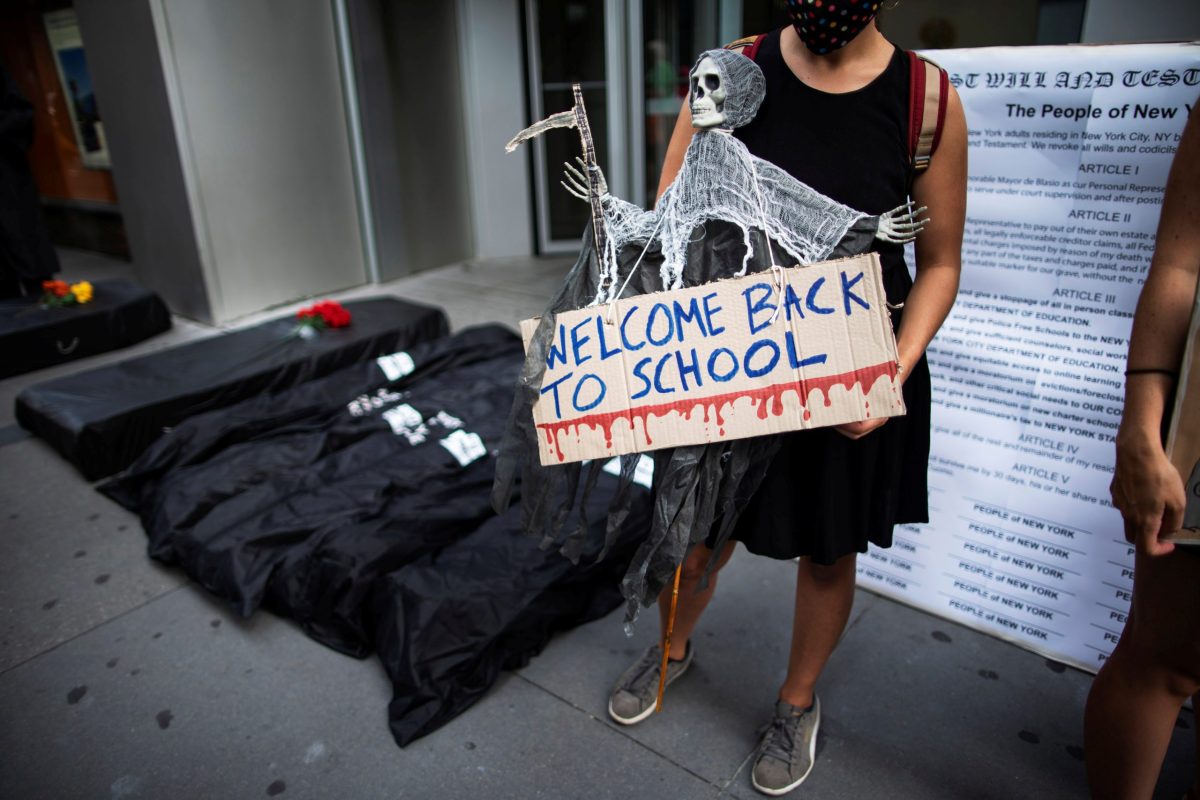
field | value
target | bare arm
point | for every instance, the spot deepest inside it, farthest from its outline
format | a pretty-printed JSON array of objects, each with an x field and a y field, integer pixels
[
  {"x": 681, "y": 137},
  {"x": 943, "y": 188},
  {"x": 1146, "y": 487}
]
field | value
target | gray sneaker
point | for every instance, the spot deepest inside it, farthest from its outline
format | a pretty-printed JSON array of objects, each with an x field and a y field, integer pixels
[
  {"x": 788, "y": 749},
  {"x": 633, "y": 697}
]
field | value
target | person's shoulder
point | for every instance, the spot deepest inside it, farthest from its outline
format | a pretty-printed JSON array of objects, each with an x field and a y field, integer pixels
[
  {"x": 935, "y": 109},
  {"x": 950, "y": 94},
  {"x": 926, "y": 59},
  {"x": 740, "y": 45},
  {"x": 748, "y": 45}
]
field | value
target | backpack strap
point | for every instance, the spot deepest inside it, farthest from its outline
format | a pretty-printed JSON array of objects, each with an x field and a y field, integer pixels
[
  {"x": 928, "y": 87},
  {"x": 747, "y": 45}
]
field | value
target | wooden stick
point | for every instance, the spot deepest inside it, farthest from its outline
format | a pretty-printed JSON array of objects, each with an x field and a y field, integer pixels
[
  {"x": 662, "y": 675},
  {"x": 599, "y": 237}
]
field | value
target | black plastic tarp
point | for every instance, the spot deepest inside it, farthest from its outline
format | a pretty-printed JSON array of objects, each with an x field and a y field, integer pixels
[
  {"x": 700, "y": 489},
  {"x": 102, "y": 419},
  {"x": 358, "y": 504},
  {"x": 302, "y": 496},
  {"x": 121, "y": 313},
  {"x": 451, "y": 621}
]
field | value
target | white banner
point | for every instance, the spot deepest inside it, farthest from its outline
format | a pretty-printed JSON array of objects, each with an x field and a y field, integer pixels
[{"x": 1069, "y": 153}]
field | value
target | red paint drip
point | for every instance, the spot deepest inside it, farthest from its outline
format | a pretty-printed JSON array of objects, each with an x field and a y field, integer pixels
[{"x": 766, "y": 399}]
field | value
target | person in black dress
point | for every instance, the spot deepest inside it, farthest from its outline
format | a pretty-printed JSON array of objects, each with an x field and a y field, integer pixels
[{"x": 835, "y": 117}]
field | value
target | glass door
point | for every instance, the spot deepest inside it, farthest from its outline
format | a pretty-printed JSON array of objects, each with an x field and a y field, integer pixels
[
  {"x": 670, "y": 37},
  {"x": 575, "y": 41},
  {"x": 673, "y": 34},
  {"x": 631, "y": 58}
]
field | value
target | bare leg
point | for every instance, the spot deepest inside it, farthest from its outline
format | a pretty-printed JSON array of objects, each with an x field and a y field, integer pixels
[
  {"x": 691, "y": 603},
  {"x": 1137, "y": 695},
  {"x": 824, "y": 596}
]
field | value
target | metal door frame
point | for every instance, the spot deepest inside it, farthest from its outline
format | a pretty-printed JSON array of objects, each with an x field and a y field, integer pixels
[
  {"x": 616, "y": 78},
  {"x": 624, "y": 72}
]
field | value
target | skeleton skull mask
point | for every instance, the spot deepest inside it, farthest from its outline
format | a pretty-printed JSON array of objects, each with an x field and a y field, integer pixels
[
  {"x": 726, "y": 90},
  {"x": 708, "y": 95}
]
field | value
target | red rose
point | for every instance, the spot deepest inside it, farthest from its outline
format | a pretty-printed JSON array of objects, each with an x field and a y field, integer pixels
[
  {"x": 324, "y": 314},
  {"x": 334, "y": 314}
]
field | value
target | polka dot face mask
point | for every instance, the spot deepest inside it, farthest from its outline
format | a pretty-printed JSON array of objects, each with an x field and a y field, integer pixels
[{"x": 826, "y": 25}]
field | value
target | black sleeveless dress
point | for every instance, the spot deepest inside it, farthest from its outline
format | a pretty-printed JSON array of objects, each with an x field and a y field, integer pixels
[{"x": 825, "y": 495}]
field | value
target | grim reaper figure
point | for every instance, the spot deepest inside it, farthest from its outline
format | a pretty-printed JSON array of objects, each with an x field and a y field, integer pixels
[
  {"x": 727, "y": 213},
  {"x": 720, "y": 180}
]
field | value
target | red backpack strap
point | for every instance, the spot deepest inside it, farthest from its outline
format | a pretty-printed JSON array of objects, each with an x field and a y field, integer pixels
[
  {"x": 747, "y": 45},
  {"x": 751, "y": 52},
  {"x": 928, "y": 87}
]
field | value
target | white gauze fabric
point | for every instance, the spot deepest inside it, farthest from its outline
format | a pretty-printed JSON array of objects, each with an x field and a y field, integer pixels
[{"x": 721, "y": 180}]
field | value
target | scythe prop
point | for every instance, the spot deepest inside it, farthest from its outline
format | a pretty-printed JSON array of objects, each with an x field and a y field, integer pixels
[{"x": 576, "y": 118}]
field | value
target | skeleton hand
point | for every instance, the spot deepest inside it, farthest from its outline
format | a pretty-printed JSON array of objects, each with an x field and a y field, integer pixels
[
  {"x": 577, "y": 183},
  {"x": 902, "y": 224}
]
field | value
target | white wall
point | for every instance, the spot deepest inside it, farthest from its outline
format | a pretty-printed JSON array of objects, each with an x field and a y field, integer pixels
[
  {"x": 493, "y": 74},
  {"x": 1141, "y": 21}
]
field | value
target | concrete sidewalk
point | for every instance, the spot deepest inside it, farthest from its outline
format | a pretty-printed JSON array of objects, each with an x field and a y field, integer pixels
[{"x": 119, "y": 678}]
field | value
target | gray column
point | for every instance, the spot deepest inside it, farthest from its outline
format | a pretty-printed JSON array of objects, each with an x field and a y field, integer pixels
[
  {"x": 226, "y": 122},
  {"x": 408, "y": 70},
  {"x": 494, "y": 93}
]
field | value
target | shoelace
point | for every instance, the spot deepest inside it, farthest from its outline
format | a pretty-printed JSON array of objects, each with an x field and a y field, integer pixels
[
  {"x": 648, "y": 668},
  {"x": 780, "y": 740}
]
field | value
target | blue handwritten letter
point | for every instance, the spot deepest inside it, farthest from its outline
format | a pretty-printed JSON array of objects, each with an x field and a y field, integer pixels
[
  {"x": 553, "y": 387},
  {"x": 758, "y": 307},
  {"x": 848, "y": 293}
]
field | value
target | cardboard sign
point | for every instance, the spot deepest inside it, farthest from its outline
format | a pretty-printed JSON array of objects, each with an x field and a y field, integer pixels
[{"x": 727, "y": 360}]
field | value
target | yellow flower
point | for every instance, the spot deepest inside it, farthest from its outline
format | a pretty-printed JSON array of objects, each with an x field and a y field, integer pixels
[{"x": 82, "y": 292}]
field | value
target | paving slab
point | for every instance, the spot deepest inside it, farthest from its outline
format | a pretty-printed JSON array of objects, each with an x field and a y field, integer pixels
[
  {"x": 538, "y": 276},
  {"x": 179, "y": 699},
  {"x": 916, "y": 706},
  {"x": 72, "y": 559},
  {"x": 117, "y": 679},
  {"x": 711, "y": 716},
  {"x": 466, "y": 305}
]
